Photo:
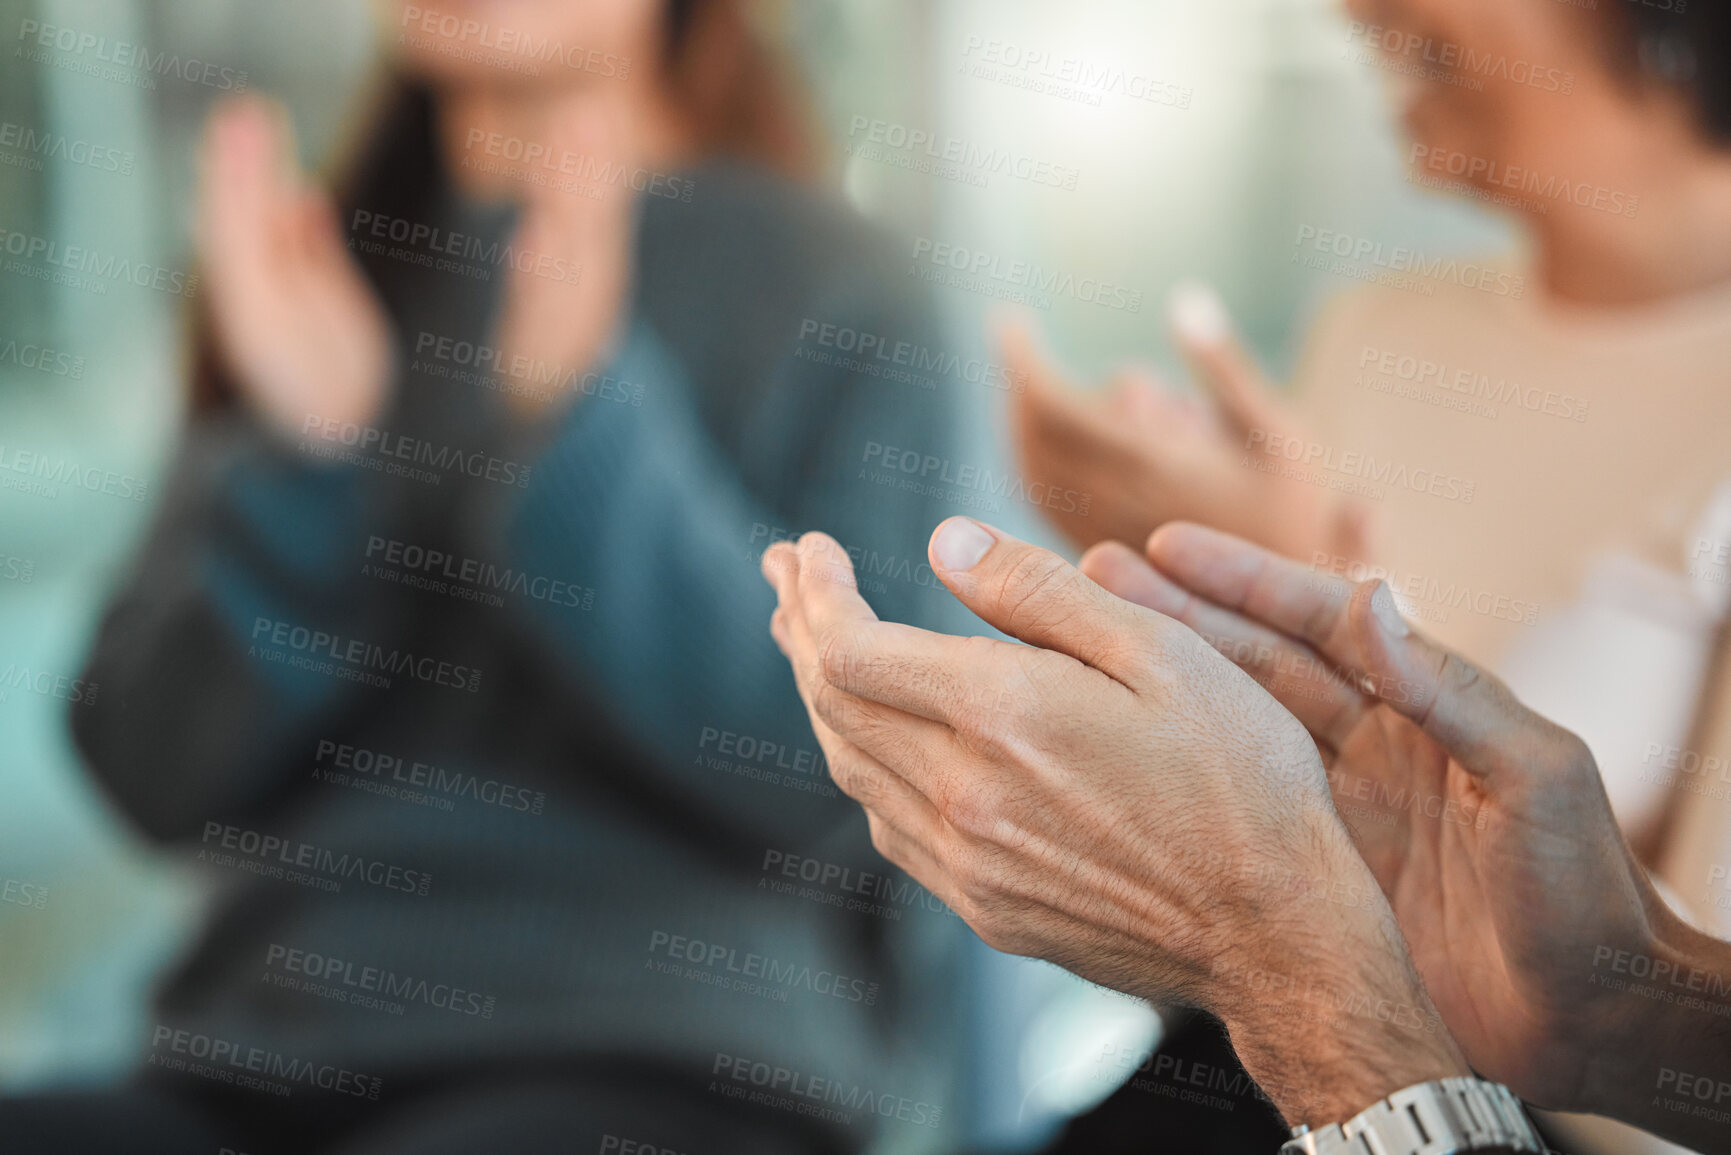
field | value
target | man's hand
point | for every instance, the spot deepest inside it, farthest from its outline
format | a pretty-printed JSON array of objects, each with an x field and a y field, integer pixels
[
  {"x": 1116, "y": 797},
  {"x": 297, "y": 323},
  {"x": 1146, "y": 456},
  {"x": 1486, "y": 825}
]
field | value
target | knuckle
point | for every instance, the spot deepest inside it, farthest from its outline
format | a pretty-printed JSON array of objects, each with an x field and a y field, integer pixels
[
  {"x": 975, "y": 881},
  {"x": 847, "y": 771},
  {"x": 1459, "y": 675},
  {"x": 837, "y": 709},
  {"x": 1025, "y": 588},
  {"x": 1561, "y": 753},
  {"x": 885, "y": 840},
  {"x": 969, "y": 805},
  {"x": 837, "y": 656}
]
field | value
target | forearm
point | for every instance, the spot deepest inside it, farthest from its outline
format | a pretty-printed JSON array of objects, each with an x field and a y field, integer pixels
[
  {"x": 1342, "y": 1024},
  {"x": 193, "y": 723}
]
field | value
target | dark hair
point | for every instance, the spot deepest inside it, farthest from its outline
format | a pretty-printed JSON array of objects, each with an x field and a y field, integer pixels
[
  {"x": 680, "y": 14},
  {"x": 1688, "y": 48}
]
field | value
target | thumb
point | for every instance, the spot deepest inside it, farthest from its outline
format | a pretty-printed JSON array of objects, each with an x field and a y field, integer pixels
[
  {"x": 1203, "y": 329},
  {"x": 1467, "y": 711},
  {"x": 1034, "y": 595}
]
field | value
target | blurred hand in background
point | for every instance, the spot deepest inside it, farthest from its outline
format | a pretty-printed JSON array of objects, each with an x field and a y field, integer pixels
[
  {"x": 295, "y": 319},
  {"x": 1148, "y": 455}
]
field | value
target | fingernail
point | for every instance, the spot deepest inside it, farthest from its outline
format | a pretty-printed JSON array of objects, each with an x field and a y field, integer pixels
[
  {"x": 961, "y": 544},
  {"x": 1387, "y": 613},
  {"x": 1198, "y": 315}
]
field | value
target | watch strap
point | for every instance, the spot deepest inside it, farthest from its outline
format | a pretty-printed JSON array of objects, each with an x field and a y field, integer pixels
[{"x": 1445, "y": 1117}]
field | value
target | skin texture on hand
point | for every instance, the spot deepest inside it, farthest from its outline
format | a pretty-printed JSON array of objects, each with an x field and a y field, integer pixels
[
  {"x": 297, "y": 323},
  {"x": 1486, "y": 826},
  {"x": 1146, "y": 455},
  {"x": 1113, "y": 796},
  {"x": 302, "y": 331},
  {"x": 551, "y": 327}
]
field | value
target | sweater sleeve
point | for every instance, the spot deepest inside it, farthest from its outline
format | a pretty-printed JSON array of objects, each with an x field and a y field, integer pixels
[
  {"x": 255, "y": 562},
  {"x": 645, "y": 501}
]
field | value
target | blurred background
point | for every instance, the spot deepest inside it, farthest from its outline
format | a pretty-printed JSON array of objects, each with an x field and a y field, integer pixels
[{"x": 1252, "y": 122}]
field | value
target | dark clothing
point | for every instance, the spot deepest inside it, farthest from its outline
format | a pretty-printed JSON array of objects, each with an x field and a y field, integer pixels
[
  {"x": 539, "y": 1111},
  {"x": 590, "y": 755}
]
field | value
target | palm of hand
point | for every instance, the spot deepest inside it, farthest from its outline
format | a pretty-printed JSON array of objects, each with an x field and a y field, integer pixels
[{"x": 1480, "y": 890}]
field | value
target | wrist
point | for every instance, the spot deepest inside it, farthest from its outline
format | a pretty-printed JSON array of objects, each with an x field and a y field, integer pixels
[{"x": 1336, "y": 1019}]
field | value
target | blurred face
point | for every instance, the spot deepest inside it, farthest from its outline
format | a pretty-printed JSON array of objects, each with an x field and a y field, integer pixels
[
  {"x": 461, "y": 43},
  {"x": 1507, "y": 82}
]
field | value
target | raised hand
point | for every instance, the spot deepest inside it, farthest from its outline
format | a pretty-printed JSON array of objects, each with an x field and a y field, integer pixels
[
  {"x": 1115, "y": 797},
  {"x": 1146, "y": 455},
  {"x": 566, "y": 294},
  {"x": 296, "y": 323}
]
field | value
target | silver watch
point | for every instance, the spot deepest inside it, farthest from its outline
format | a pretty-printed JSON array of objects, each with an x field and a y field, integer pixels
[{"x": 1446, "y": 1117}]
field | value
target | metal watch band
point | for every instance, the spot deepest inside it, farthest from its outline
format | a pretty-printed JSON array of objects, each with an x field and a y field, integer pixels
[{"x": 1446, "y": 1117}]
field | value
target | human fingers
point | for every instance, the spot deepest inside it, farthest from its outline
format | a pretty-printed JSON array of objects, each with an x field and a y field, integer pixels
[
  {"x": 1312, "y": 689},
  {"x": 1033, "y": 594},
  {"x": 1466, "y": 710},
  {"x": 1204, "y": 332}
]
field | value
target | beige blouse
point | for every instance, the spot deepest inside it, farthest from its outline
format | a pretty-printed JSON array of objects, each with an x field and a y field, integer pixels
[{"x": 1553, "y": 497}]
